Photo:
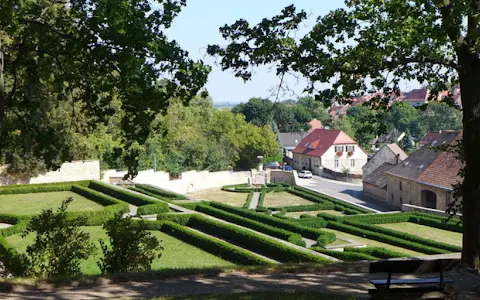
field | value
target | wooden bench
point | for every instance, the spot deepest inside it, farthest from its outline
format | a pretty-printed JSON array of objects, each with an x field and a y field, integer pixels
[{"x": 420, "y": 285}]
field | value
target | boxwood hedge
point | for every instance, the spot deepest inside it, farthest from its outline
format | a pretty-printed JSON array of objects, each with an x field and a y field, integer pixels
[
  {"x": 161, "y": 192},
  {"x": 41, "y": 188},
  {"x": 249, "y": 200},
  {"x": 311, "y": 207},
  {"x": 345, "y": 256},
  {"x": 179, "y": 218},
  {"x": 376, "y": 252}
]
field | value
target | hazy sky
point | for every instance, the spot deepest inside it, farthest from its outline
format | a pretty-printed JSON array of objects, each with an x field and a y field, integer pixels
[{"x": 197, "y": 26}]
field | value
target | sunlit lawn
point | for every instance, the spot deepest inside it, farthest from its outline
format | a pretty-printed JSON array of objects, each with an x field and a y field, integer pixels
[
  {"x": 177, "y": 254},
  {"x": 216, "y": 194},
  {"x": 284, "y": 199},
  {"x": 372, "y": 243},
  {"x": 431, "y": 233},
  {"x": 34, "y": 203}
]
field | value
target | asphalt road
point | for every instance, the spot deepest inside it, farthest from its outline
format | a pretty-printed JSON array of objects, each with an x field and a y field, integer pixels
[{"x": 344, "y": 191}]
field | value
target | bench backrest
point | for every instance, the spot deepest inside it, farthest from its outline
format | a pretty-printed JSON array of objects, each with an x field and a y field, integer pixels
[{"x": 414, "y": 266}]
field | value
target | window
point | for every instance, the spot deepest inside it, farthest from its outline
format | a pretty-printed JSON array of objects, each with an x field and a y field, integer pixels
[
  {"x": 392, "y": 197},
  {"x": 352, "y": 163},
  {"x": 338, "y": 148},
  {"x": 400, "y": 185},
  {"x": 401, "y": 200},
  {"x": 336, "y": 163},
  {"x": 350, "y": 148}
]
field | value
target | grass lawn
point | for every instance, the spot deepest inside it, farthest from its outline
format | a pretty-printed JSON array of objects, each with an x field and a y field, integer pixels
[
  {"x": 427, "y": 232},
  {"x": 216, "y": 194},
  {"x": 176, "y": 255},
  {"x": 297, "y": 215},
  {"x": 28, "y": 204},
  {"x": 333, "y": 212},
  {"x": 338, "y": 242},
  {"x": 372, "y": 243},
  {"x": 282, "y": 295},
  {"x": 284, "y": 199}
]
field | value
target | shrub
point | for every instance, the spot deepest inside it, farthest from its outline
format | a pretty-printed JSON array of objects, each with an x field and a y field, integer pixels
[
  {"x": 306, "y": 216},
  {"x": 179, "y": 218},
  {"x": 59, "y": 244},
  {"x": 12, "y": 262},
  {"x": 326, "y": 239},
  {"x": 312, "y": 222},
  {"x": 253, "y": 241},
  {"x": 15, "y": 229},
  {"x": 249, "y": 200},
  {"x": 273, "y": 221},
  {"x": 190, "y": 206},
  {"x": 229, "y": 188},
  {"x": 261, "y": 200},
  {"x": 152, "y": 209},
  {"x": 41, "y": 188},
  {"x": 131, "y": 248},
  {"x": 252, "y": 224},
  {"x": 376, "y": 252},
  {"x": 98, "y": 197},
  {"x": 406, "y": 236},
  {"x": 330, "y": 217},
  {"x": 139, "y": 190},
  {"x": 345, "y": 256},
  {"x": 437, "y": 223},
  {"x": 379, "y": 218},
  {"x": 311, "y": 207},
  {"x": 386, "y": 238},
  {"x": 161, "y": 192},
  {"x": 217, "y": 247}
]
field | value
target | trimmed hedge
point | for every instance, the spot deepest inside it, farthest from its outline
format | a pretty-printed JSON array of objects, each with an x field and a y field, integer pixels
[
  {"x": 98, "y": 197},
  {"x": 436, "y": 223},
  {"x": 253, "y": 241},
  {"x": 406, "y": 236},
  {"x": 289, "y": 236},
  {"x": 345, "y": 256},
  {"x": 249, "y": 200},
  {"x": 152, "y": 209},
  {"x": 161, "y": 192},
  {"x": 41, "y": 188},
  {"x": 15, "y": 229},
  {"x": 386, "y": 238},
  {"x": 261, "y": 200},
  {"x": 379, "y": 218},
  {"x": 326, "y": 239},
  {"x": 289, "y": 225},
  {"x": 376, "y": 252},
  {"x": 309, "y": 207},
  {"x": 312, "y": 222},
  {"x": 330, "y": 217},
  {"x": 136, "y": 189},
  {"x": 217, "y": 247},
  {"x": 179, "y": 218},
  {"x": 12, "y": 261}
]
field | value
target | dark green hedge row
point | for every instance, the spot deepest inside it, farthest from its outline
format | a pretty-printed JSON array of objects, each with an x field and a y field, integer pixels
[
  {"x": 345, "y": 256},
  {"x": 15, "y": 229},
  {"x": 294, "y": 238},
  {"x": 246, "y": 205},
  {"x": 12, "y": 261},
  {"x": 312, "y": 222},
  {"x": 11, "y": 219},
  {"x": 253, "y": 241},
  {"x": 125, "y": 195},
  {"x": 161, "y": 192},
  {"x": 326, "y": 239},
  {"x": 330, "y": 217},
  {"x": 139, "y": 190},
  {"x": 190, "y": 206},
  {"x": 307, "y": 196},
  {"x": 41, "y": 188},
  {"x": 152, "y": 209},
  {"x": 379, "y": 218},
  {"x": 310, "y": 207},
  {"x": 346, "y": 210},
  {"x": 406, "y": 236},
  {"x": 233, "y": 186},
  {"x": 261, "y": 200},
  {"x": 376, "y": 252},
  {"x": 179, "y": 218},
  {"x": 385, "y": 238},
  {"x": 437, "y": 223},
  {"x": 289, "y": 225},
  {"x": 217, "y": 247},
  {"x": 98, "y": 197}
]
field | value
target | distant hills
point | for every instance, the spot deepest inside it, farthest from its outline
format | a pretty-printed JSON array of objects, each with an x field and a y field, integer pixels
[{"x": 224, "y": 104}]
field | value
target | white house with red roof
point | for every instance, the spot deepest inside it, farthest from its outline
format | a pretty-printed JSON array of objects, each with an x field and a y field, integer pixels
[{"x": 330, "y": 149}]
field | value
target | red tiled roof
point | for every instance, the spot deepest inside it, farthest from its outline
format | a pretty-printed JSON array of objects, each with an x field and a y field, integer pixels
[
  {"x": 316, "y": 124},
  {"x": 319, "y": 140},
  {"x": 429, "y": 136},
  {"x": 416, "y": 95},
  {"x": 444, "y": 169}
]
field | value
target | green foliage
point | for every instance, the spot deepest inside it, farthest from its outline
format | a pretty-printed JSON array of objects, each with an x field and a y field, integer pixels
[
  {"x": 217, "y": 247},
  {"x": 252, "y": 224},
  {"x": 261, "y": 200},
  {"x": 179, "y": 218},
  {"x": 312, "y": 222},
  {"x": 345, "y": 256},
  {"x": 142, "y": 191},
  {"x": 98, "y": 197},
  {"x": 364, "y": 124},
  {"x": 404, "y": 118},
  {"x": 12, "y": 262},
  {"x": 326, "y": 239},
  {"x": 376, "y": 252},
  {"x": 246, "y": 205},
  {"x": 254, "y": 242},
  {"x": 60, "y": 245},
  {"x": 308, "y": 207},
  {"x": 41, "y": 188},
  {"x": 441, "y": 116},
  {"x": 161, "y": 192},
  {"x": 131, "y": 248},
  {"x": 152, "y": 209}
]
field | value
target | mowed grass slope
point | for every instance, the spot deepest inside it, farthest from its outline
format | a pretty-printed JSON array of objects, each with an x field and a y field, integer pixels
[
  {"x": 176, "y": 255},
  {"x": 216, "y": 194},
  {"x": 34, "y": 203}
]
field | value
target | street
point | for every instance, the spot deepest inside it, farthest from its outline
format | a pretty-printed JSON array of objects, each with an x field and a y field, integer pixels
[{"x": 348, "y": 192}]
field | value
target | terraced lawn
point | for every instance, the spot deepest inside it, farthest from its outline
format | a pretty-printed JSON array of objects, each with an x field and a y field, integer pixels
[
  {"x": 284, "y": 199},
  {"x": 177, "y": 254},
  {"x": 372, "y": 243},
  {"x": 431, "y": 233},
  {"x": 216, "y": 194},
  {"x": 28, "y": 204}
]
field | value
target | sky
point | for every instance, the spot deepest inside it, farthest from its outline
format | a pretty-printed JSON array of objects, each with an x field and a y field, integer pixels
[{"x": 197, "y": 26}]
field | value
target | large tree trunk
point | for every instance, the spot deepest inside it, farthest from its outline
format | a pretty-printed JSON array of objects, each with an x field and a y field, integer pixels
[
  {"x": 470, "y": 86},
  {"x": 2, "y": 88}
]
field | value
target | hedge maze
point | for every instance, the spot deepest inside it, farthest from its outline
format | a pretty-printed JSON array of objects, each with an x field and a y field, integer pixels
[{"x": 261, "y": 236}]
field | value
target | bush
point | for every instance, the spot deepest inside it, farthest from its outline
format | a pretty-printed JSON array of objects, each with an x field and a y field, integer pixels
[
  {"x": 249, "y": 200},
  {"x": 253, "y": 241},
  {"x": 386, "y": 238},
  {"x": 131, "y": 247},
  {"x": 190, "y": 206},
  {"x": 252, "y": 224},
  {"x": 437, "y": 223},
  {"x": 152, "y": 209},
  {"x": 406, "y": 236},
  {"x": 376, "y": 252},
  {"x": 98, "y": 197},
  {"x": 179, "y": 218},
  {"x": 161, "y": 192},
  {"x": 15, "y": 229},
  {"x": 326, "y": 239},
  {"x": 273, "y": 221},
  {"x": 41, "y": 188},
  {"x": 330, "y": 217},
  {"x": 311, "y": 207},
  {"x": 345, "y": 256},
  {"x": 217, "y": 247},
  {"x": 261, "y": 200},
  {"x": 312, "y": 222},
  {"x": 139, "y": 190},
  {"x": 228, "y": 188},
  {"x": 379, "y": 218},
  {"x": 12, "y": 262}
]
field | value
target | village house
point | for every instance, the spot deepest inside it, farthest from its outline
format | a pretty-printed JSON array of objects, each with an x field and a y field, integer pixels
[
  {"x": 289, "y": 140},
  {"x": 329, "y": 149},
  {"x": 426, "y": 177}
]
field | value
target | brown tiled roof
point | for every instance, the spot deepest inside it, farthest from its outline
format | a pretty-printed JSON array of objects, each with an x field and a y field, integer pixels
[
  {"x": 319, "y": 140},
  {"x": 377, "y": 177},
  {"x": 429, "y": 136},
  {"x": 416, "y": 95}
]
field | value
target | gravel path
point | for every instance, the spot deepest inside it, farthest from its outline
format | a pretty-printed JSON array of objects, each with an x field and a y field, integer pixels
[{"x": 255, "y": 200}]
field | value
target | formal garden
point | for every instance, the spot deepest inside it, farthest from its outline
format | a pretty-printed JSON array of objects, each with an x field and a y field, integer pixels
[{"x": 289, "y": 225}]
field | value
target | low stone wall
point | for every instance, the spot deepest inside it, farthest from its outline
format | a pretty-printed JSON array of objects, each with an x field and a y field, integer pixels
[
  {"x": 330, "y": 174},
  {"x": 190, "y": 181},
  {"x": 279, "y": 176},
  {"x": 409, "y": 207},
  {"x": 70, "y": 171}
]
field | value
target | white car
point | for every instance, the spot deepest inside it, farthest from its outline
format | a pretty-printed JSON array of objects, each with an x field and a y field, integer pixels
[{"x": 305, "y": 174}]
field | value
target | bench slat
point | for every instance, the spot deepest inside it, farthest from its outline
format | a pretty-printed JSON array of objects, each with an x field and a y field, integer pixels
[{"x": 410, "y": 281}]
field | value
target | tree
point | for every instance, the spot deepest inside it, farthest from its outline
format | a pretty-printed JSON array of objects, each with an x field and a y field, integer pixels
[
  {"x": 404, "y": 118},
  {"x": 86, "y": 53},
  {"x": 257, "y": 111},
  {"x": 131, "y": 248},
  {"x": 370, "y": 46},
  {"x": 441, "y": 116},
  {"x": 363, "y": 122},
  {"x": 60, "y": 244}
]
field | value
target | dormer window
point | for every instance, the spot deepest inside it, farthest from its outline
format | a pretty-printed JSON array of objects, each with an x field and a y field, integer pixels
[{"x": 310, "y": 146}]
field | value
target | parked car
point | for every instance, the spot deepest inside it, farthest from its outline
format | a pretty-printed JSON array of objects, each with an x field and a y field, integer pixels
[
  {"x": 288, "y": 168},
  {"x": 305, "y": 174},
  {"x": 272, "y": 165}
]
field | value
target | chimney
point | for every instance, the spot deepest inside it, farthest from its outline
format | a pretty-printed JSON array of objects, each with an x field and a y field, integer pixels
[{"x": 398, "y": 158}]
